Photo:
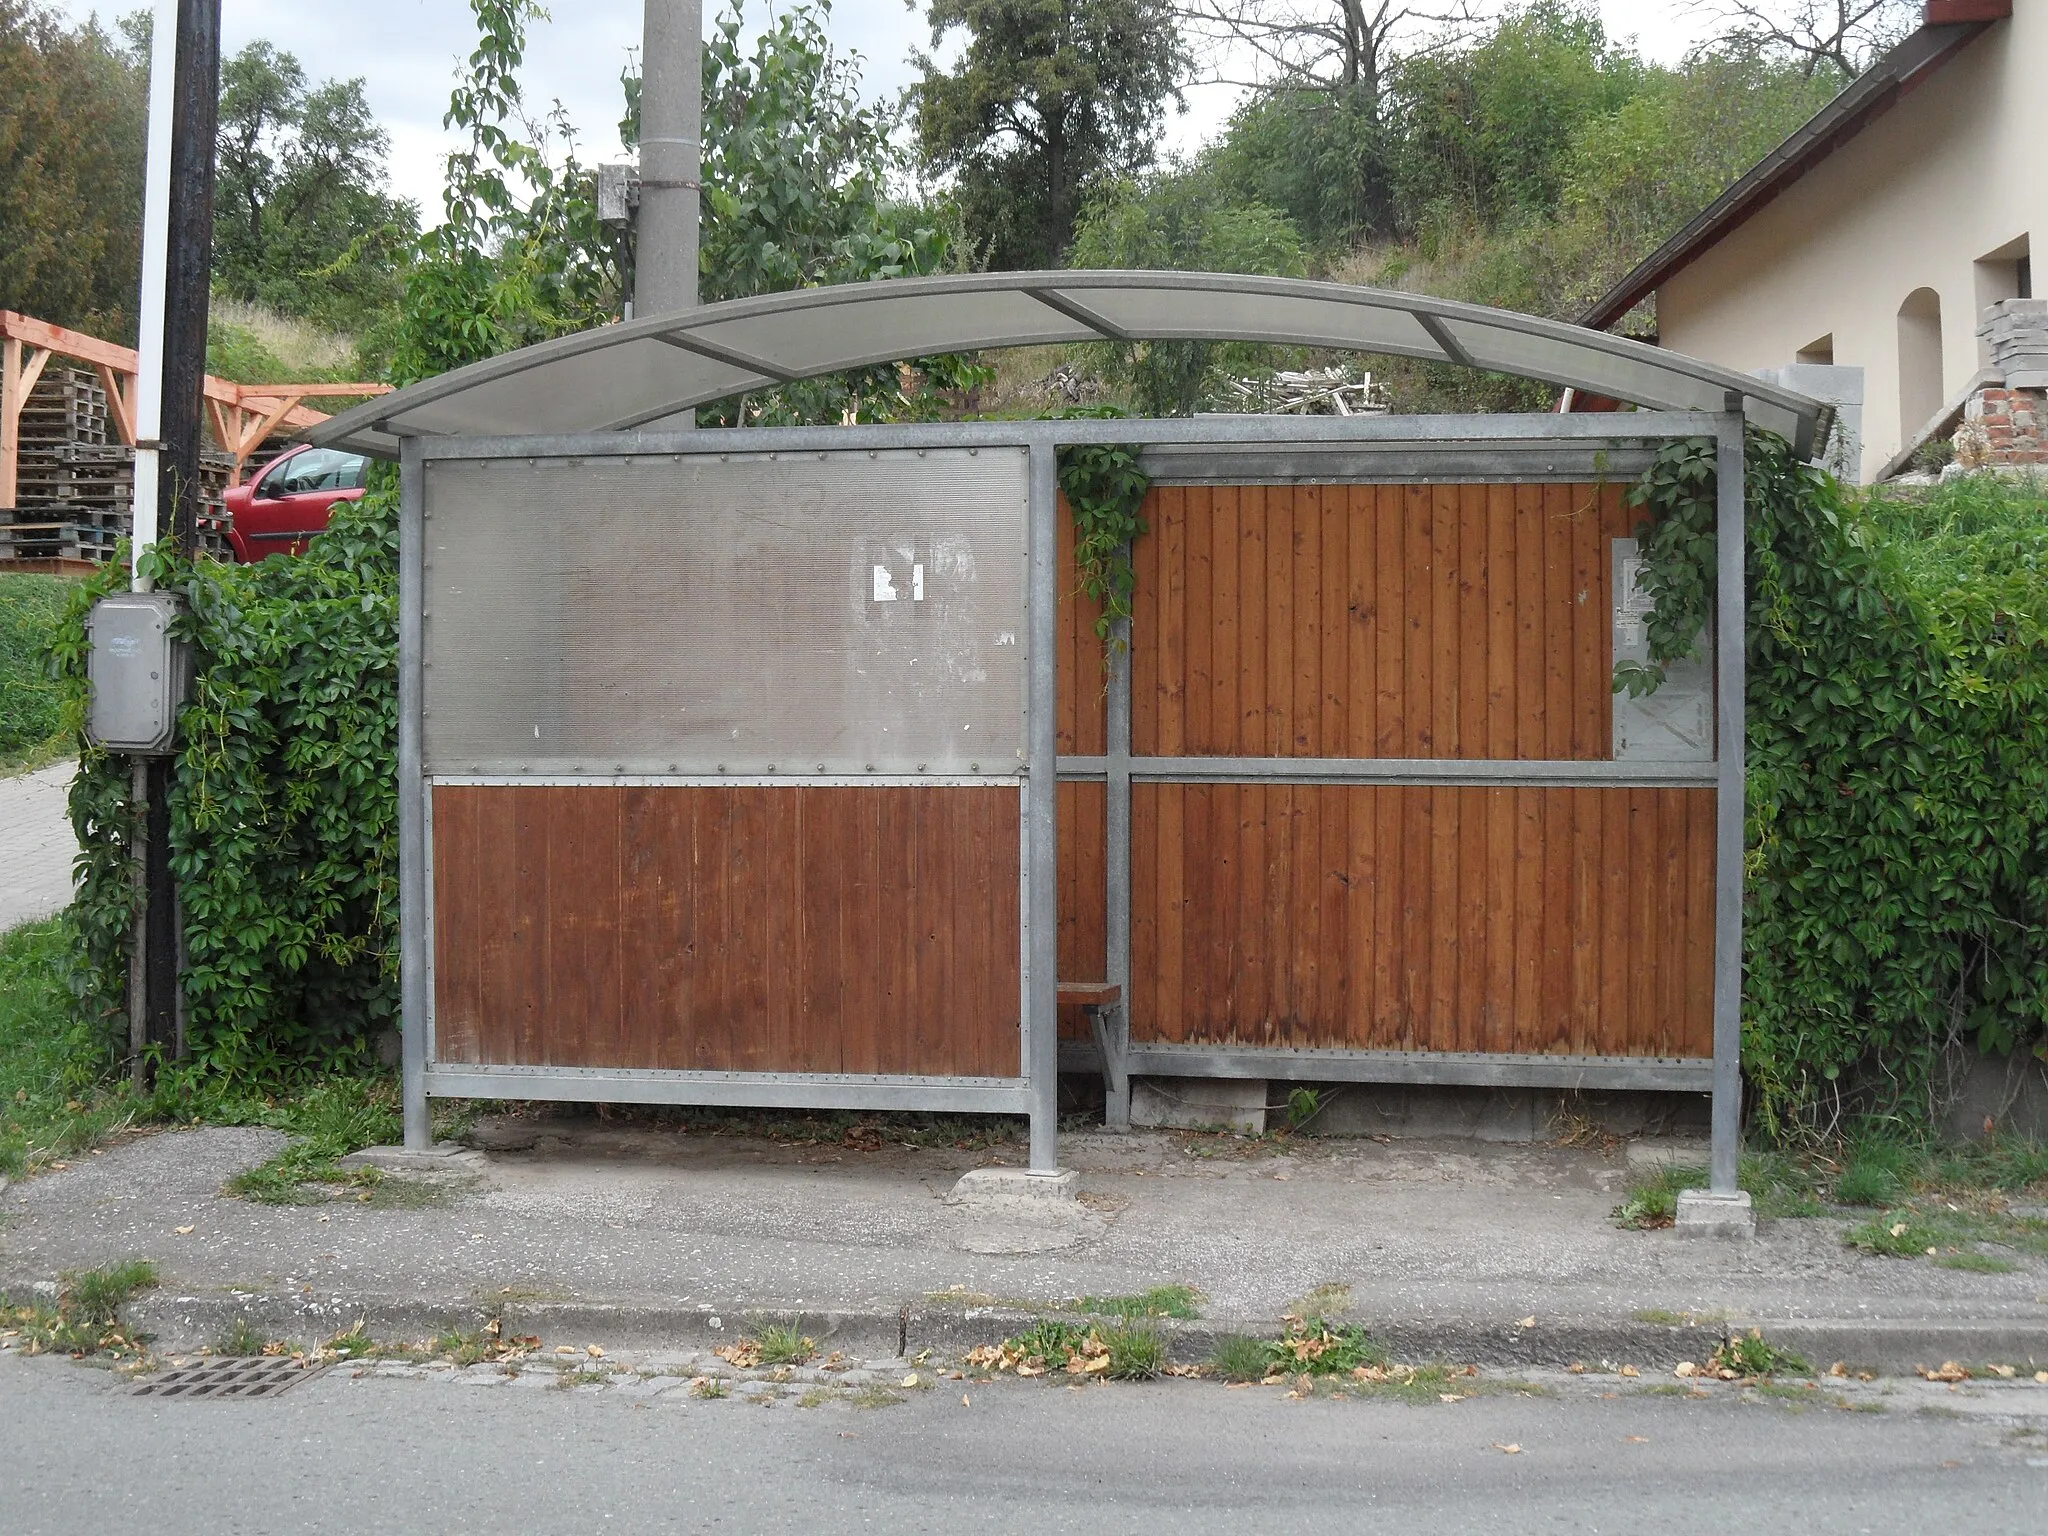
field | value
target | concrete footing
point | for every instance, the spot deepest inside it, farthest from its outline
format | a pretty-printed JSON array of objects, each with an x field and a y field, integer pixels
[
  {"x": 442, "y": 1157},
  {"x": 1200, "y": 1103},
  {"x": 1014, "y": 1187},
  {"x": 1701, "y": 1213}
]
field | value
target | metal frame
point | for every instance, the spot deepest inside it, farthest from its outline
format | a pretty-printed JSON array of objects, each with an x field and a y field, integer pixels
[
  {"x": 611, "y": 380},
  {"x": 1446, "y": 441}
]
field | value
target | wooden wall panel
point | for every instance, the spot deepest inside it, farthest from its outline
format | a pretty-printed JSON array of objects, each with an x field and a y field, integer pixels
[
  {"x": 1375, "y": 621},
  {"x": 1425, "y": 918},
  {"x": 743, "y": 929}
]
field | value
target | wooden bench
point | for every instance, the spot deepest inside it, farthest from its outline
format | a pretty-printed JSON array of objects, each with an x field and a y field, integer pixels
[{"x": 1103, "y": 1002}]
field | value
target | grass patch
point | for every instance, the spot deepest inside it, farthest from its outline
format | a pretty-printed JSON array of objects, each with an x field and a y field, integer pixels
[
  {"x": 31, "y": 714},
  {"x": 53, "y": 1104},
  {"x": 1239, "y": 1357},
  {"x": 328, "y": 1121},
  {"x": 86, "y": 1322},
  {"x": 1176, "y": 1301},
  {"x": 1939, "y": 1229},
  {"x": 1314, "y": 1346},
  {"x": 1977, "y": 1263},
  {"x": 1752, "y": 1357},
  {"x": 1136, "y": 1352},
  {"x": 1132, "y": 1351},
  {"x": 785, "y": 1345},
  {"x": 240, "y": 1340}
]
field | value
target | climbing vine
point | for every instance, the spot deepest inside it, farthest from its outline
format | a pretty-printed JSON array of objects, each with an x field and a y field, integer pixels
[
  {"x": 284, "y": 806},
  {"x": 1105, "y": 491},
  {"x": 1897, "y": 906}
]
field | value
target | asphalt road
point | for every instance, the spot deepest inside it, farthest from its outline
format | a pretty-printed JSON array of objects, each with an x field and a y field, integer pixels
[{"x": 372, "y": 1455}]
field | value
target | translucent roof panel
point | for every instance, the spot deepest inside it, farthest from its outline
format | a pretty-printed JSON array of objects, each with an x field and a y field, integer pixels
[{"x": 652, "y": 371}]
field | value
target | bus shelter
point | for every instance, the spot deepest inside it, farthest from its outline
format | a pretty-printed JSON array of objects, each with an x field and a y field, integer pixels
[{"x": 785, "y": 766}]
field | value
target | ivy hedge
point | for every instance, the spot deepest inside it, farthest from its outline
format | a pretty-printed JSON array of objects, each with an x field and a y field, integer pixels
[
  {"x": 284, "y": 812},
  {"x": 1898, "y": 756},
  {"x": 1897, "y": 911}
]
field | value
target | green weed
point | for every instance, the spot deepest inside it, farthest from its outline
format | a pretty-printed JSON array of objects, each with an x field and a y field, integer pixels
[
  {"x": 240, "y": 1340},
  {"x": 96, "y": 1296},
  {"x": 1238, "y": 1357},
  {"x": 785, "y": 1345},
  {"x": 1314, "y": 1346},
  {"x": 1977, "y": 1263},
  {"x": 86, "y": 1320},
  {"x": 353, "y": 1345},
  {"x": 1175, "y": 1301},
  {"x": 1927, "y": 1226},
  {"x": 1136, "y": 1353},
  {"x": 1752, "y": 1356}
]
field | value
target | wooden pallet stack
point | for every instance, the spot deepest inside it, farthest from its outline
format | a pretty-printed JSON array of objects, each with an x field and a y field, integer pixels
[{"x": 75, "y": 488}]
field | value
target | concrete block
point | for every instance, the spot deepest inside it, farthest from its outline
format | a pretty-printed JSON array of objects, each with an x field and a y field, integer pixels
[
  {"x": 1014, "y": 1186},
  {"x": 1196, "y": 1103},
  {"x": 442, "y": 1157},
  {"x": 1702, "y": 1213},
  {"x": 1651, "y": 1153}
]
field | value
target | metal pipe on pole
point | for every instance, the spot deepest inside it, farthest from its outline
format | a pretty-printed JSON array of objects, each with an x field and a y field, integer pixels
[{"x": 671, "y": 157}]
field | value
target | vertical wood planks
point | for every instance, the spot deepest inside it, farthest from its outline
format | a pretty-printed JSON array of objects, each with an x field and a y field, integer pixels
[
  {"x": 728, "y": 929},
  {"x": 1435, "y": 953}
]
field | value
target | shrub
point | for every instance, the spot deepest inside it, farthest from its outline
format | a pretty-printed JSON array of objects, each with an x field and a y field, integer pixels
[
  {"x": 31, "y": 608},
  {"x": 1898, "y": 774}
]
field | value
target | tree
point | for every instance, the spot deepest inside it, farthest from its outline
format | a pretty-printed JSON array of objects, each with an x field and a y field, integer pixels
[
  {"x": 73, "y": 109},
  {"x": 1048, "y": 100},
  {"x": 1179, "y": 219},
  {"x": 797, "y": 168},
  {"x": 304, "y": 223},
  {"x": 1846, "y": 36},
  {"x": 1490, "y": 129}
]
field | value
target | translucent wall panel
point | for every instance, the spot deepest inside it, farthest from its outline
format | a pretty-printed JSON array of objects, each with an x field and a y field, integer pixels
[{"x": 844, "y": 613}]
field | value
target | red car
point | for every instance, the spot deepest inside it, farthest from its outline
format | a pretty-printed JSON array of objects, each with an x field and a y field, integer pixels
[{"x": 289, "y": 501}]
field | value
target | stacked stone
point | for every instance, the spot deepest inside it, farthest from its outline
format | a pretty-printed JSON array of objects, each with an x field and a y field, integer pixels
[
  {"x": 2017, "y": 331},
  {"x": 2006, "y": 421}
]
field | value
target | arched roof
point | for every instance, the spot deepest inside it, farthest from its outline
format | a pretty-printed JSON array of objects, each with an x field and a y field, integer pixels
[{"x": 652, "y": 373}]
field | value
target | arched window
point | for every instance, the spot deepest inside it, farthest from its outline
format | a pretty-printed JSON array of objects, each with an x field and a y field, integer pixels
[{"x": 1920, "y": 393}]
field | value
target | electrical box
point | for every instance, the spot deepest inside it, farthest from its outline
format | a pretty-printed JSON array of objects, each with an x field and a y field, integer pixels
[{"x": 137, "y": 673}]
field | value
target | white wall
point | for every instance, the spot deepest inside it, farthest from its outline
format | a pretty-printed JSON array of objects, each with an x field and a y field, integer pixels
[{"x": 1955, "y": 171}]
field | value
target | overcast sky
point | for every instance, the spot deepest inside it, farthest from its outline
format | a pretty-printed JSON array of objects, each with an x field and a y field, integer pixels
[{"x": 407, "y": 50}]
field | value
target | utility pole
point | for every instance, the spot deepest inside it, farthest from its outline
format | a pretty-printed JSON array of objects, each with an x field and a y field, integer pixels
[
  {"x": 671, "y": 157},
  {"x": 177, "y": 271}
]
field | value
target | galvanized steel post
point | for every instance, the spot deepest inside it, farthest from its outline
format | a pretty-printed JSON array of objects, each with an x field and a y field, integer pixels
[
  {"x": 1730, "y": 629},
  {"x": 412, "y": 800},
  {"x": 1116, "y": 1083},
  {"x": 1041, "y": 813}
]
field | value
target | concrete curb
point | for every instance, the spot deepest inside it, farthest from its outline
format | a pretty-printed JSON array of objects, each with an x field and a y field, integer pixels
[{"x": 179, "y": 1322}]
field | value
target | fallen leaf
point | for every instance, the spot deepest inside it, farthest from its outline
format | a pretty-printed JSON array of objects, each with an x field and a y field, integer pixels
[
  {"x": 1450, "y": 1397},
  {"x": 1950, "y": 1371},
  {"x": 593, "y": 1351},
  {"x": 1527, "y": 1322},
  {"x": 1629, "y": 1370},
  {"x": 184, "y": 1231},
  {"x": 963, "y": 1400},
  {"x": 1638, "y": 1439},
  {"x": 2042, "y": 1377},
  {"x": 2004, "y": 1372},
  {"x": 1685, "y": 1368},
  {"x": 910, "y": 1380},
  {"x": 1899, "y": 1229},
  {"x": 1577, "y": 1367},
  {"x": 1507, "y": 1450},
  {"x": 565, "y": 1349},
  {"x": 1838, "y": 1369}
]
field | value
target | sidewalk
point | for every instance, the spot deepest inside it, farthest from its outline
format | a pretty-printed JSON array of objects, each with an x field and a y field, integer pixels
[
  {"x": 36, "y": 845},
  {"x": 1495, "y": 1255}
]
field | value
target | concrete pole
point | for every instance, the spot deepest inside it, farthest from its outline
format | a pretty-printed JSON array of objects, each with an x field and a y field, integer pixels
[{"x": 671, "y": 157}]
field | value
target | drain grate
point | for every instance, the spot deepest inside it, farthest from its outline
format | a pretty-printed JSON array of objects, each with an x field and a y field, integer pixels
[{"x": 251, "y": 1376}]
